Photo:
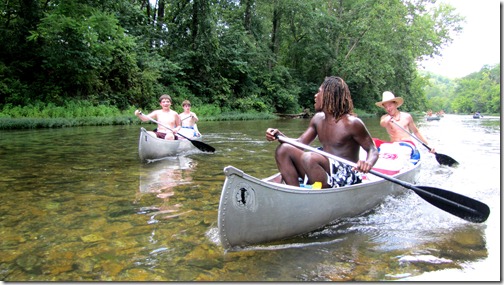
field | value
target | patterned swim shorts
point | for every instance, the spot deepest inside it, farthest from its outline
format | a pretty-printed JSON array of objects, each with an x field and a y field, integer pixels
[{"x": 342, "y": 175}]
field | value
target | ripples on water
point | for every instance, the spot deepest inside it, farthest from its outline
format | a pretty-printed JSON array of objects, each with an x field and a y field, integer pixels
[{"x": 77, "y": 207}]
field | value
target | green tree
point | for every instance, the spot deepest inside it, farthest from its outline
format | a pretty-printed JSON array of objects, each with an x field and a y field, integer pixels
[
  {"x": 440, "y": 92},
  {"x": 373, "y": 45},
  {"x": 235, "y": 55},
  {"x": 86, "y": 54},
  {"x": 479, "y": 91},
  {"x": 19, "y": 59}
]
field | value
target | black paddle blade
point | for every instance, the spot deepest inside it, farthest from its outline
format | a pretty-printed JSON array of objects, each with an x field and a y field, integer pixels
[
  {"x": 445, "y": 160},
  {"x": 459, "y": 205},
  {"x": 203, "y": 146}
]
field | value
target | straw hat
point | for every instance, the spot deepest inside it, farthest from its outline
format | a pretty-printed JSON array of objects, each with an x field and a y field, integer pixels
[{"x": 388, "y": 96}]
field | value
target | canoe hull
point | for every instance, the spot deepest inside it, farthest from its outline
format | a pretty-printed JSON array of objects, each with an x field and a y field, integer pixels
[
  {"x": 253, "y": 211},
  {"x": 151, "y": 147},
  {"x": 433, "y": 118}
]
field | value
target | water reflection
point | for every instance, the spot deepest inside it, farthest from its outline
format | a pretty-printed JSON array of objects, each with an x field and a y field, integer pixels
[
  {"x": 162, "y": 175},
  {"x": 160, "y": 178},
  {"x": 76, "y": 207}
]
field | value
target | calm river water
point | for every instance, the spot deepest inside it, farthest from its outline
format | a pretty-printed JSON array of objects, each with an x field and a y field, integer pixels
[{"x": 78, "y": 205}]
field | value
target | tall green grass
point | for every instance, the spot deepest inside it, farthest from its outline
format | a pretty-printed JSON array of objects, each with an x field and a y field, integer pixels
[
  {"x": 83, "y": 113},
  {"x": 72, "y": 109},
  {"x": 36, "y": 123}
]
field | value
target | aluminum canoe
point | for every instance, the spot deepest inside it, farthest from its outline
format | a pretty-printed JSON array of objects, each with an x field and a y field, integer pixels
[
  {"x": 254, "y": 211},
  {"x": 151, "y": 147}
]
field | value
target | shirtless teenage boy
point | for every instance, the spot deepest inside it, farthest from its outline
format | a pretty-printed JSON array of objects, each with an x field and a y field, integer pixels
[{"x": 165, "y": 116}]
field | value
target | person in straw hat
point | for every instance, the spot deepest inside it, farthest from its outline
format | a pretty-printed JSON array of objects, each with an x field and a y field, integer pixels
[{"x": 390, "y": 103}]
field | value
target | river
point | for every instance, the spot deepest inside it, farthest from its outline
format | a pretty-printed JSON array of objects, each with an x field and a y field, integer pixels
[{"x": 79, "y": 205}]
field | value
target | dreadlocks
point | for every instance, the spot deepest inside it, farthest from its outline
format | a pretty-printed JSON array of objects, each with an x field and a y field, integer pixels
[{"x": 337, "y": 100}]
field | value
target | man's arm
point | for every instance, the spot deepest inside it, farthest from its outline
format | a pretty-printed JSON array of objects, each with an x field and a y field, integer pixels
[
  {"x": 413, "y": 128},
  {"x": 144, "y": 117},
  {"x": 307, "y": 137},
  {"x": 195, "y": 118},
  {"x": 177, "y": 122},
  {"x": 385, "y": 120},
  {"x": 364, "y": 139},
  {"x": 311, "y": 132}
]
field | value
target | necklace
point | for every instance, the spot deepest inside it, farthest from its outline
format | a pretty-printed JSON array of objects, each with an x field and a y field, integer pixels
[{"x": 397, "y": 118}]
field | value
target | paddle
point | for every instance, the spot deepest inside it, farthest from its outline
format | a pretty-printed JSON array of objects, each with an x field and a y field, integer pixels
[
  {"x": 453, "y": 203},
  {"x": 441, "y": 158},
  {"x": 200, "y": 145}
]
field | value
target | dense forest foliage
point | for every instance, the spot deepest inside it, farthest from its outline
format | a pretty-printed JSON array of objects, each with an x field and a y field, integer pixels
[
  {"x": 234, "y": 55},
  {"x": 476, "y": 92}
]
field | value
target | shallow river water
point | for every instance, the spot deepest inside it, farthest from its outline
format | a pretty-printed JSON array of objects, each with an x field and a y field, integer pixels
[{"x": 78, "y": 205}]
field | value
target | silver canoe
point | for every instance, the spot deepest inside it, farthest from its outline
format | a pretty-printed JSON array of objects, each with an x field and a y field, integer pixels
[
  {"x": 433, "y": 118},
  {"x": 253, "y": 211},
  {"x": 151, "y": 147}
]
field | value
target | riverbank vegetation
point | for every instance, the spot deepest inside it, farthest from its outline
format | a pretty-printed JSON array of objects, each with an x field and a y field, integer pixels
[
  {"x": 74, "y": 62},
  {"x": 476, "y": 92},
  {"x": 84, "y": 114}
]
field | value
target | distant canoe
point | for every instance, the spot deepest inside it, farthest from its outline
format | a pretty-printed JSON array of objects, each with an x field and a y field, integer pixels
[
  {"x": 432, "y": 118},
  {"x": 477, "y": 116},
  {"x": 151, "y": 147}
]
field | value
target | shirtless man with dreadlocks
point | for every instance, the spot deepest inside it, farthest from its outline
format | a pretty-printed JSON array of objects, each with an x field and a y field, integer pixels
[{"x": 340, "y": 133}]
